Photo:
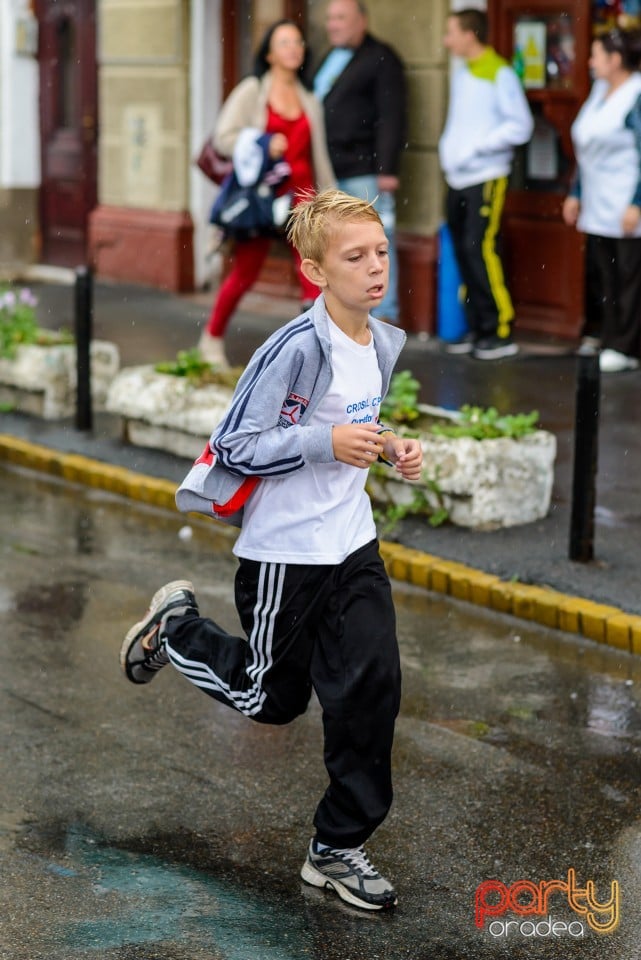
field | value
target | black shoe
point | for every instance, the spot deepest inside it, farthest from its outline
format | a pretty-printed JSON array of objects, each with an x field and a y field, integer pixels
[
  {"x": 350, "y": 874},
  {"x": 143, "y": 651},
  {"x": 495, "y": 348},
  {"x": 461, "y": 346}
]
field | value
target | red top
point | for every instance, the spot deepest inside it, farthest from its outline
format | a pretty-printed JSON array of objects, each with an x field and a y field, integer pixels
[{"x": 298, "y": 153}]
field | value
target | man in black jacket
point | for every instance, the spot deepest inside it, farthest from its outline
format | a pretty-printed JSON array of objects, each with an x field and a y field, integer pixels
[{"x": 362, "y": 86}]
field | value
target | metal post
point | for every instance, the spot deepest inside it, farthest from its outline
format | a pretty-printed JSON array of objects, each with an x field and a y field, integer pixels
[
  {"x": 83, "y": 332},
  {"x": 586, "y": 448}
]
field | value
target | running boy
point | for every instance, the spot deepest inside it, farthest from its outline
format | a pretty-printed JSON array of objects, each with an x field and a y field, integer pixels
[{"x": 311, "y": 590}]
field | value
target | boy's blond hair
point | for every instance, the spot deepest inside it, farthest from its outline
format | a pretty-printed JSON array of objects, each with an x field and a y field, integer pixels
[{"x": 313, "y": 221}]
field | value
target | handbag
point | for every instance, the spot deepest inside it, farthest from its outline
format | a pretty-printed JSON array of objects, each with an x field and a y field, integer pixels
[
  {"x": 212, "y": 163},
  {"x": 243, "y": 212}
]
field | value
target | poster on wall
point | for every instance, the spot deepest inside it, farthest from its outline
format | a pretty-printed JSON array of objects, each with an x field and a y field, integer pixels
[{"x": 529, "y": 43}]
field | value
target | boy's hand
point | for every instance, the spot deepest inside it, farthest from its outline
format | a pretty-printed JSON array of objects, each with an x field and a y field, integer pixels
[
  {"x": 406, "y": 454},
  {"x": 357, "y": 444}
]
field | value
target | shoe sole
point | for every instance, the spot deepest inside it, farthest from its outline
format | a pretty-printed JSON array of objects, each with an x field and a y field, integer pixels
[
  {"x": 618, "y": 368},
  {"x": 498, "y": 354},
  {"x": 143, "y": 626},
  {"x": 459, "y": 351},
  {"x": 315, "y": 878}
]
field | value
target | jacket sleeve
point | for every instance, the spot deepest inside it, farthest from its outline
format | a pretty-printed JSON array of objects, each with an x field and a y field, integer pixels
[
  {"x": 516, "y": 124},
  {"x": 256, "y": 438},
  {"x": 633, "y": 122},
  {"x": 237, "y": 112},
  {"x": 390, "y": 94}
]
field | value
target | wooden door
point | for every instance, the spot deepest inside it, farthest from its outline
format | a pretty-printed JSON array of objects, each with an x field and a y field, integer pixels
[
  {"x": 543, "y": 257},
  {"x": 68, "y": 127}
]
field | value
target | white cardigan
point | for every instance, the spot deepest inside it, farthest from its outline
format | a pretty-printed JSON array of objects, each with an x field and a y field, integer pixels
[
  {"x": 608, "y": 158},
  {"x": 246, "y": 106}
]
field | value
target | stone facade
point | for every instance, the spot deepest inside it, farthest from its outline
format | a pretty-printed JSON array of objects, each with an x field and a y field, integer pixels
[{"x": 143, "y": 151}]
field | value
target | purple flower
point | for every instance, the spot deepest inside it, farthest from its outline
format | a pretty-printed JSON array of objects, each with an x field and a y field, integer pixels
[{"x": 27, "y": 297}]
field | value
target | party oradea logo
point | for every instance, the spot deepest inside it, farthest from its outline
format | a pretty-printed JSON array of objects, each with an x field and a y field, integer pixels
[{"x": 525, "y": 908}]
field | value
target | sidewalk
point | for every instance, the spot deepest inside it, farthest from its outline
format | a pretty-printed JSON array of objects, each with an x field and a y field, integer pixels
[{"x": 149, "y": 325}]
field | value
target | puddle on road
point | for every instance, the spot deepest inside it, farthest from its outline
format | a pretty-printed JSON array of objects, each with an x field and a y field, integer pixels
[{"x": 141, "y": 899}]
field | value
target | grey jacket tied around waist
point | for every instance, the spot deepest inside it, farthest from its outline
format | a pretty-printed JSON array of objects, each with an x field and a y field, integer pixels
[{"x": 266, "y": 431}]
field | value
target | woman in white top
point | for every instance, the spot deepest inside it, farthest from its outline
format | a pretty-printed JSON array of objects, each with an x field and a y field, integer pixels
[{"x": 605, "y": 200}]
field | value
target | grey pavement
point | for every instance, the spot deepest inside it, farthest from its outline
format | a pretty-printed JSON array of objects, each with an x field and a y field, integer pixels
[
  {"x": 152, "y": 823},
  {"x": 149, "y": 325}
]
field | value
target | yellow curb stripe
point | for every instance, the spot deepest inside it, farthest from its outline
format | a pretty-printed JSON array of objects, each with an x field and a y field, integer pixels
[{"x": 596, "y": 621}]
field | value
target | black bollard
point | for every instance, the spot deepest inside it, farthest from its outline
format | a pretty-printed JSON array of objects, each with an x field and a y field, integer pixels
[
  {"x": 83, "y": 332},
  {"x": 586, "y": 448}
]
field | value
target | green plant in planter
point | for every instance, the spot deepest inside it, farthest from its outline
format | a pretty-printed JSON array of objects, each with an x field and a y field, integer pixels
[
  {"x": 427, "y": 501},
  {"x": 19, "y": 326},
  {"x": 191, "y": 365},
  {"x": 488, "y": 424},
  {"x": 401, "y": 411},
  {"x": 400, "y": 406},
  {"x": 18, "y": 322}
]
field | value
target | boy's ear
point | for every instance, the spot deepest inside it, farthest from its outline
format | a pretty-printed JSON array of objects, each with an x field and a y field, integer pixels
[{"x": 313, "y": 272}]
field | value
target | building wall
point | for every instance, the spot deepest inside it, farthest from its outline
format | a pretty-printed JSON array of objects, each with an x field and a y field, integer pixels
[
  {"x": 143, "y": 51},
  {"x": 19, "y": 145},
  {"x": 142, "y": 230}
]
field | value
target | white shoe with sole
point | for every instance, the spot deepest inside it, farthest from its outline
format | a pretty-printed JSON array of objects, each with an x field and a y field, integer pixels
[{"x": 611, "y": 361}]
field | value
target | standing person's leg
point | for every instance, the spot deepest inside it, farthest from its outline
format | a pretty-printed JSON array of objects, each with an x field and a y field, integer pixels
[
  {"x": 487, "y": 289},
  {"x": 592, "y": 330},
  {"x": 356, "y": 674},
  {"x": 248, "y": 258},
  {"x": 456, "y": 213},
  {"x": 366, "y": 188},
  {"x": 386, "y": 207},
  {"x": 622, "y": 323}
]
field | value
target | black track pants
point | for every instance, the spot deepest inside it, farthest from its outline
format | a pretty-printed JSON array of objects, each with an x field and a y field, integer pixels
[
  {"x": 474, "y": 218},
  {"x": 330, "y": 628}
]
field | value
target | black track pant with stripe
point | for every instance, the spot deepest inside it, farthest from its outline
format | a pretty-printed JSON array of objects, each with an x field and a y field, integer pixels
[
  {"x": 330, "y": 628},
  {"x": 474, "y": 218}
]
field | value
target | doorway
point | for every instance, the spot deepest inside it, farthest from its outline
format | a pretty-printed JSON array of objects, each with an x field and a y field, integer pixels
[{"x": 68, "y": 127}]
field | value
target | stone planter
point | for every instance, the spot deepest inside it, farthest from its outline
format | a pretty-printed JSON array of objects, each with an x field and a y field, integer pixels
[
  {"x": 484, "y": 484},
  {"x": 41, "y": 380},
  {"x": 166, "y": 412}
]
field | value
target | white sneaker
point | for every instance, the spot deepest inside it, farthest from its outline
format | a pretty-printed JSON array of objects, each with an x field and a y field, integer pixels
[
  {"x": 212, "y": 350},
  {"x": 611, "y": 361}
]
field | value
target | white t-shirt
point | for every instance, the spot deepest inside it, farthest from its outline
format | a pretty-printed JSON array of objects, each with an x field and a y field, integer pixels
[{"x": 321, "y": 513}]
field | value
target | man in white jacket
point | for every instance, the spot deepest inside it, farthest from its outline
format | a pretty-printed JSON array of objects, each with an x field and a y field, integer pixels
[{"x": 488, "y": 117}]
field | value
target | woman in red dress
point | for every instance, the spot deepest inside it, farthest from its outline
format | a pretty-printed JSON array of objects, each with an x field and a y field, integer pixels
[{"x": 274, "y": 101}]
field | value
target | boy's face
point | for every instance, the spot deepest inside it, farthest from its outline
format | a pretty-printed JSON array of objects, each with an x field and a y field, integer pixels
[{"x": 354, "y": 271}]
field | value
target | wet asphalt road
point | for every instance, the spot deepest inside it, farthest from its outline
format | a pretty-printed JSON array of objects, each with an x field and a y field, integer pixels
[{"x": 154, "y": 823}]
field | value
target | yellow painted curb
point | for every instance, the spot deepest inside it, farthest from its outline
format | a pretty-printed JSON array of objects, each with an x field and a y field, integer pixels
[{"x": 596, "y": 621}]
